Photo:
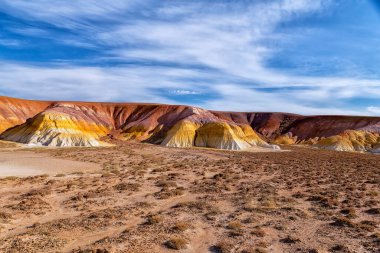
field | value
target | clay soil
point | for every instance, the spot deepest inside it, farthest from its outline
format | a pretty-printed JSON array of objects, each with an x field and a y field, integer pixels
[{"x": 145, "y": 198}]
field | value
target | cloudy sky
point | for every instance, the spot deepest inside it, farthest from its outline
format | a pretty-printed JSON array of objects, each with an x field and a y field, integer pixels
[{"x": 301, "y": 56}]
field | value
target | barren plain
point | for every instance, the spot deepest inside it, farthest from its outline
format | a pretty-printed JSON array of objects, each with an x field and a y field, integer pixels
[{"x": 136, "y": 197}]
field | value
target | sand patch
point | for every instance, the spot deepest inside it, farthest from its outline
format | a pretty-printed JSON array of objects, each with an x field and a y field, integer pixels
[{"x": 26, "y": 163}]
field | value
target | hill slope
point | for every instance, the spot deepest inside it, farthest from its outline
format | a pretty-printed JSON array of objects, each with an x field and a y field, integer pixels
[{"x": 85, "y": 124}]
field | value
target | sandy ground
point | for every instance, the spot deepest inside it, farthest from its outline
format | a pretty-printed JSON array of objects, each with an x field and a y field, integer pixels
[
  {"x": 29, "y": 163},
  {"x": 137, "y": 198}
]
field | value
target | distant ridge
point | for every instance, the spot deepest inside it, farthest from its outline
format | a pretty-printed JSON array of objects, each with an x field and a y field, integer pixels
[{"x": 59, "y": 123}]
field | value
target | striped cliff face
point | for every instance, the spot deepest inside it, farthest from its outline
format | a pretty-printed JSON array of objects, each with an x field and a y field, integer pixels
[
  {"x": 341, "y": 133},
  {"x": 84, "y": 124},
  {"x": 57, "y": 129}
]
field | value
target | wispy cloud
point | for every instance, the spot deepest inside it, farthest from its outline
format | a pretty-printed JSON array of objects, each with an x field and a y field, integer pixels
[
  {"x": 10, "y": 42},
  {"x": 186, "y": 47},
  {"x": 374, "y": 110},
  {"x": 184, "y": 92},
  {"x": 65, "y": 82},
  {"x": 239, "y": 98}
]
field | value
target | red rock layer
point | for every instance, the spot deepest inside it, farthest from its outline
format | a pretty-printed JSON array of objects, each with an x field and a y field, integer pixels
[
  {"x": 325, "y": 126},
  {"x": 269, "y": 124},
  {"x": 272, "y": 125}
]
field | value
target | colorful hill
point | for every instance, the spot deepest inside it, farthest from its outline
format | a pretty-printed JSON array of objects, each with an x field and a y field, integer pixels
[{"x": 52, "y": 123}]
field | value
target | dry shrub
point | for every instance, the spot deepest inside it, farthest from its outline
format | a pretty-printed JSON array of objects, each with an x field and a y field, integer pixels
[
  {"x": 250, "y": 206},
  {"x": 91, "y": 251},
  {"x": 32, "y": 204},
  {"x": 39, "y": 192},
  {"x": 373, "y": 211},
  {"x": 269, "y": 203},
  {"x": 260, "y": 250},
  {"x": 340, "y": 248},
  {"x": 259, "y": 232},
  {"x": 367, "y": 225},
  {"x": 176, "y": 243},
  {"x": 235, "y": 225},
  {"x": 349, "y": 212},
  {"x": 199, "y": 205},
  {"x": 5, "y": 216},
  {"x": 154, "y": 219},
  {"x": 290, "y": 239},
  {"x": 162, "y": 183},
  {"x": 223, "y": 247},
  {"x": 342, "y": 222},
  {"x": 165, "y": 193},
  {"x": 127, "y": 187},
  {"x": 181, "y": 226}
]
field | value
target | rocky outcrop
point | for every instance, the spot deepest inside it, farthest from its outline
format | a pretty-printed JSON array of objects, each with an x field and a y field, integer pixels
[
  {"x": 219, "y": 135},
  {"x": 285, "y": 139},
  {"x": 351, "y": 141},
  {"x": 57, "y": 129},
  {"x": 226, "y": 136}
]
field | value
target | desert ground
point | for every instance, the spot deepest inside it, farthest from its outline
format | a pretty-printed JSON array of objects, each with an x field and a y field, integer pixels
[{"x": 136, "y": 197}]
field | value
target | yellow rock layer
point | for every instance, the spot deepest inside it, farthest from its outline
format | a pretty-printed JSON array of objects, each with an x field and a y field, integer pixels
[
  {"x": 57, "y": 129},
  {"x": 285, "y": 140},
  {"x": 350, "y": 141},
  {"x": 181, "y": 134},
  {"x": 135, "y": 133},
  {"x": 225, "y": 136},
  {"x": 218, "y": 135},
  {"x": 139, "y": 133}
]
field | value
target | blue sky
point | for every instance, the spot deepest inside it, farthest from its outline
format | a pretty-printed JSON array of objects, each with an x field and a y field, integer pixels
[{"x": 300, "y": 56}]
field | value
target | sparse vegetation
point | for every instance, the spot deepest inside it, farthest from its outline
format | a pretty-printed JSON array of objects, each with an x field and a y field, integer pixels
[
  {"x": 235, "y": 225},
  {"x": 224, "y": 247},
  {"x": 145, "y": 198},
  {"x": 154, "y": 219},
  {"x": 181, "y": 226},
  {"x": 176, "y": 243}
]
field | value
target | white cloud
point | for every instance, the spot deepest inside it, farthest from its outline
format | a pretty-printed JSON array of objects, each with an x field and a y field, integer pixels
[
  {"x": 373, "y": 110},
  {"x": 10, "y": 43},
  {"x": 145, "y": 84},
  {"x": 227, "y": 42},
  {"x": 185, "y": 92},
  {"x": 73, "y": 15},
  {"x": 88, "y": 83},
  {"x": 239, "y": 98}
]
